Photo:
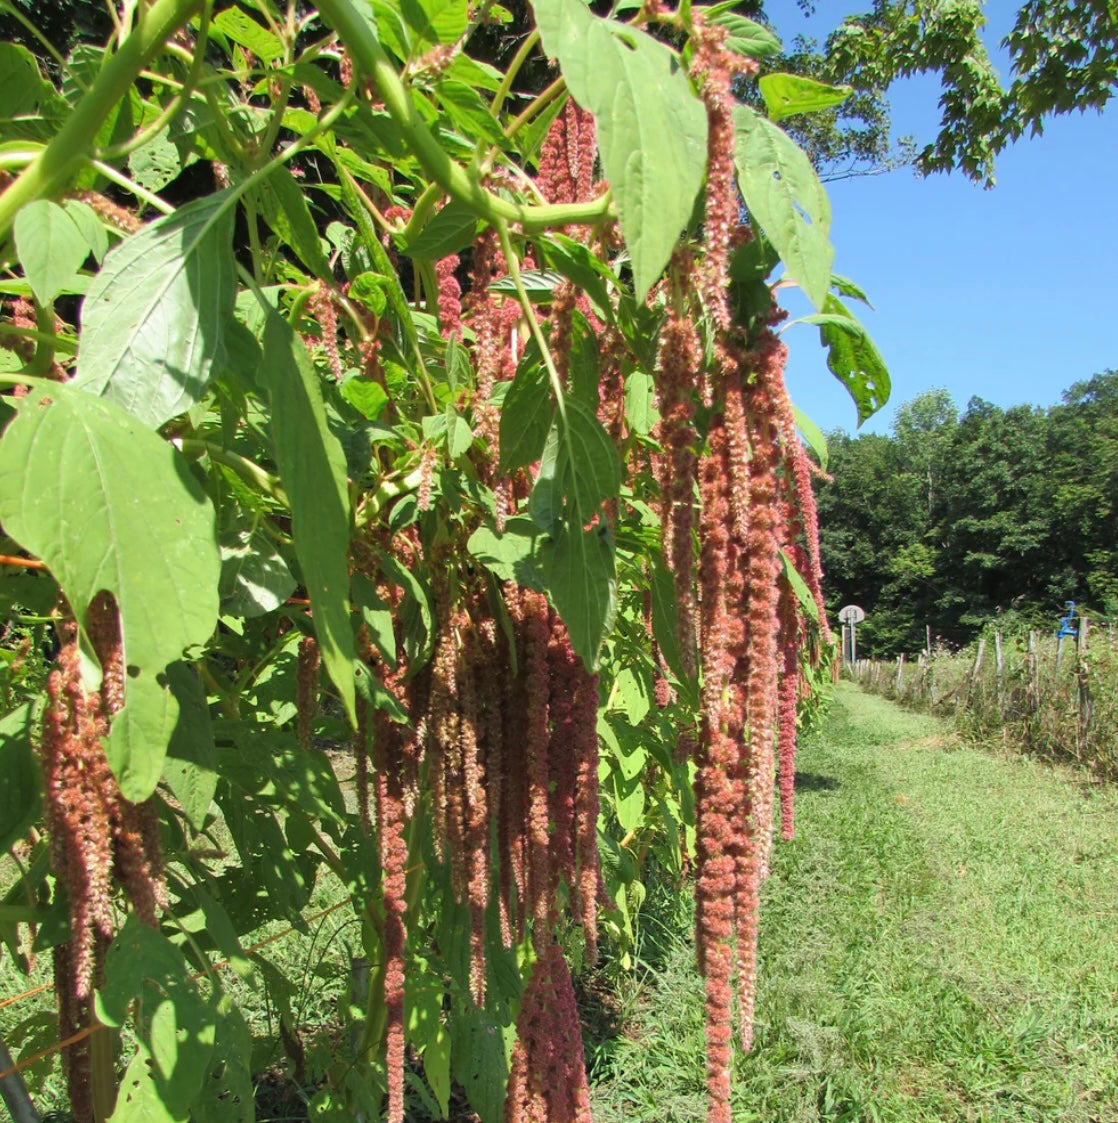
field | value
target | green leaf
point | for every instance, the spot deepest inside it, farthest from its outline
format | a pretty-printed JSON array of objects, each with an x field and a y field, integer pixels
[
  {"x": 435, "y": 21},
  {"x": 848, "y": 288},
  {"x": 156, "y": 163},
  {"x": 652, "y": 129},
  {"x": 641, "y": 414},
  {"x": 629, "y": 803},
  {"x": 510, "y": 553},
  {"x": 366, "y": 396},
  {"x": 89, "y": 223},
  {"x": 312, "y": 467},
  {"x": 469, "y": 112},
  {"x": 436, "y": 1067},
  {"x": 787, "y": 200},
  {"x": 284, "y": 206},
  {"x": 109, "y": 506},
  {"x": 592, "y": 472},
  {"x": 191, "y": 765},
  {"x": 153, "y": 317},
  {"x": 479, "y": 1061},
  {"x": 799, "y": 587},
  {"x": 526, "y": 415},
  {"x": 19, "y": 793},
  {"x": 576, "y": 262},
  {"x": 812, "y": 434},
  {"x": 582, "y": 584},
  {"x": 746, "y": 37},
  {"x": 852, "y": 357},
  {"x": 51, "y": 248},
  {"x": 176, "y": 1024},
  {"x": 243, "y": 30},
  {"x": 665, "y": 617},
  {"x": 255, "y": 579},
  {"x": 788, "y": 94},
  {"x": 451, "y": 230}
]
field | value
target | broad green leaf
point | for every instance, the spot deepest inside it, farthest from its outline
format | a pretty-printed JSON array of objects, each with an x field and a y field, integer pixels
[
  {"x": 812, "y": 434},
  {"x": 788, "y": 94},
  {"x": 640, "y": 411},
  {"x": 852, "y": 357},
  {"x": 746, "y": 37},
  {"x": 191, "y": 765},
  {"x": 539, "y": 284},
  {"x": 227, "y": 1091},
  {"x": 786, "y": 199},
  {"x": 479, "y": 1061},
  {"x": 576, "y": 262},
  {"x": 593, "y": 468},
  {"x": 366, "y": 396},
  {"x": 582, "y": 584},
  {"x": 652, "y": 129},
  {"x": 312, "y": 468},
  {"x": 19, "y": 793},
  {"x": 255, "y": 579},
  {"x": 451, "y": 230},
  {"x": 89, "y": 223},
  {"x": 109, "y": 506},
  {"x": 176, "y": 1024},
  {"x": 284, "y": 205},
  {"x": 153, "y": 317},
  {"x": 509, "y": 553},
  {"x": 156, "y": 163},
  {"x": 526, "y": 416},
  {"x": 243, "y": 30},
  {"x": 629, "y": 803},
  {"x": 469, "y": 112},
  {"x": 435, "y": 21},
  {"x": 29, "y": 105},
  {"x": 51, "y": 248},
  {"x": 436, "y": 1067}
]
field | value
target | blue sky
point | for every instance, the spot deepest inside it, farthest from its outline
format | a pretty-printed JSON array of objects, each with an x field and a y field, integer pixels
[{"x": 1009, "y": 294}]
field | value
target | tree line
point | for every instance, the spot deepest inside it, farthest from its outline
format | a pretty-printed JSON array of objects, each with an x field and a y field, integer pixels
[{"x": 954, "y": 521}]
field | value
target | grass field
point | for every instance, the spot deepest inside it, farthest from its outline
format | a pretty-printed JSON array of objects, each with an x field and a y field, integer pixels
[{"x": 939, "y": 943}]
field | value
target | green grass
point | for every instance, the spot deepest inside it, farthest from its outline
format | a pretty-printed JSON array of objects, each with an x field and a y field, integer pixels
[{"x": 939, "y": 943}]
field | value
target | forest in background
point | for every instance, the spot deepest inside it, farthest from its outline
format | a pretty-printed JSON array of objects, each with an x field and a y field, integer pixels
[{"x": 959, "y": 520}]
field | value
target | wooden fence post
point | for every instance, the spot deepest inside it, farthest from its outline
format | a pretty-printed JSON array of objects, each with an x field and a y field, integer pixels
[
  {"x": 999, "y": 665},
  {"x": 1034, "y": 674},
  {"x": 1083, "y": 701},
  {"x": 898, "y": 681},
  {"x": 963, "y": 700}
]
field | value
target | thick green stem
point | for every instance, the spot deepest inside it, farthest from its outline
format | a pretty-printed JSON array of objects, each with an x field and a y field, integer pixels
[
  {"x": 55, "y": 167},
  {"x": 371, "y": 61}
]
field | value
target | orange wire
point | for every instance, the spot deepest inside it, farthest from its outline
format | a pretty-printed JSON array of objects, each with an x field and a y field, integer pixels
[
  {"x": 26, "y": 994},
  {"x": 26, "y": 563}
]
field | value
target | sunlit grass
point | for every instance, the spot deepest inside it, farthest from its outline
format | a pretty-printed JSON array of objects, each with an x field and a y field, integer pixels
[{"x": 939, "y": 943}]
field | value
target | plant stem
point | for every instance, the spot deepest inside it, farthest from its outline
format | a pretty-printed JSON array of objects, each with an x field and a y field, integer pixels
[
  {"x": 534, "y": 106},
  {"x": 54, "y": 168},
  {"x": 371, "y": 61},
  {"x": 171, "y": 109},
  {"x": 518, "y": 60},
  {"x": 513, "y": 262}
]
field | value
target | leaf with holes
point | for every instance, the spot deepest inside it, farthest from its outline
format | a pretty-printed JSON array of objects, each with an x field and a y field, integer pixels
[
  {"x": 788, "y": 94},
  {"x": 851, "y": 356},
  {"x": 786, "y": 199}
]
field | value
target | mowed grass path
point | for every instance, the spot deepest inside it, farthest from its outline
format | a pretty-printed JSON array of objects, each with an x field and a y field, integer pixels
[{"x": 940, "y": 942}]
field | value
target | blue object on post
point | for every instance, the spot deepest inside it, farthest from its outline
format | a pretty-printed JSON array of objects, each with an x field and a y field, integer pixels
[{"x": 1067, "y": 622}]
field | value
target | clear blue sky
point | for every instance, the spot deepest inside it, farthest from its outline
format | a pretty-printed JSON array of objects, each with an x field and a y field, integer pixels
[{"x": 1009, "y": 294}]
